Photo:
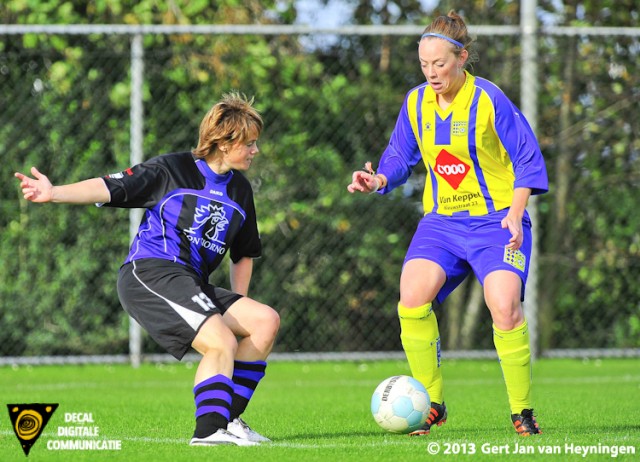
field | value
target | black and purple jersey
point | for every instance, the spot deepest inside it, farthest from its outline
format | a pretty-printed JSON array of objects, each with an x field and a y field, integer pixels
[{"x": 193, "y": 215}]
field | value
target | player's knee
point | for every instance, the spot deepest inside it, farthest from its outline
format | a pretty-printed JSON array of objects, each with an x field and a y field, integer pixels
[
  {"x": 507, "y": 315},
  {"x": 262, "y": 324},
  {"x": 218, "y": 341},
  {"x": 413, "y": 295},
  {"x": 229, "y": 342},
  {"x": 223, "y": 351},
  {"x": 269, "y": 322},
  {"x": 414, "y": 298}
]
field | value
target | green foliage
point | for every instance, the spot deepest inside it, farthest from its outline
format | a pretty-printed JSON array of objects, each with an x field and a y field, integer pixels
[
  {"x": 332, "y": 260},
  {"x": 590, "y": 138}
]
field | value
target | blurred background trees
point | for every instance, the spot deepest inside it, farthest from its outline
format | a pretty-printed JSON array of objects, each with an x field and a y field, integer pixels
[{"x": 332, "y": 260}]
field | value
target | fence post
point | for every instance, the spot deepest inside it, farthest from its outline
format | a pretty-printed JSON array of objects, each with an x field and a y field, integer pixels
[
  {"x": 529, "y": 106},
  {"x": 136, "y": 156}
]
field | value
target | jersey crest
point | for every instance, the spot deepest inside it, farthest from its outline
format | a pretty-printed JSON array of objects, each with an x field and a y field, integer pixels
[{"x": 213, "y": 215}]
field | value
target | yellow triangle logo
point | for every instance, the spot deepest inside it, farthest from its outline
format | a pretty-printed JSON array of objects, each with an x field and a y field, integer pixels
[{"x": 28, "y": 421}]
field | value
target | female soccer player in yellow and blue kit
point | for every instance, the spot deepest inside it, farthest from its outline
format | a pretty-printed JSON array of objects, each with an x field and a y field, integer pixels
[{"x": 483, "y": 162}]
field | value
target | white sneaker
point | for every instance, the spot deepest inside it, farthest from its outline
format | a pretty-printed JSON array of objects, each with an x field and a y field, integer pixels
[
  {"x": 239, "y": 428},
  {"x": 221, "y": 436}
]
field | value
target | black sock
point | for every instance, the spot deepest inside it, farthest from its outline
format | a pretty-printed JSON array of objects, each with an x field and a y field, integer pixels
[
  {"x": 246, "y": 376},
  {"x": 213, "y": 400}
]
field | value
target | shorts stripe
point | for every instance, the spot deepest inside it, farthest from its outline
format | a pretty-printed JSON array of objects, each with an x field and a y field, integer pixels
[{"x": 192, "y": 318}]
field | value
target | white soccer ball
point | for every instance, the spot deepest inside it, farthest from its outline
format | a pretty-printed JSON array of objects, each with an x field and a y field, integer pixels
[{"x": 400, "y": 404}]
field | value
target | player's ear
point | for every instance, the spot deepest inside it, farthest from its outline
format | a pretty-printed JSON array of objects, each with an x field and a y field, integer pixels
[{"x": 462, "y": 58}]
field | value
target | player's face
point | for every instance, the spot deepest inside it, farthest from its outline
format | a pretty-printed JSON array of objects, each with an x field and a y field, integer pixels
[
  {"x": 441, "y": 66},
  {"x": 240, "y": 155}
]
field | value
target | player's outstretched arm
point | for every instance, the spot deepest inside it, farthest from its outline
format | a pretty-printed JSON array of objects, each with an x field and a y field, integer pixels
[{"x": 39, "y": 189}]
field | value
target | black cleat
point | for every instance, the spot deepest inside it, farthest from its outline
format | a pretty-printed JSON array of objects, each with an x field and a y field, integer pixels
[
  {"x": 525, "y": 423},
  {"x": 437, "y": 416}
]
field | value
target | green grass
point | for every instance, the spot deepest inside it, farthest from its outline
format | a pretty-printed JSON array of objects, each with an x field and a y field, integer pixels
[{"x": 320, "y": 412}]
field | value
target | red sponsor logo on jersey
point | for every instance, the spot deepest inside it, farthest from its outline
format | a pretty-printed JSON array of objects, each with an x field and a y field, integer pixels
[
  {"x": 452, "y": 169},
  {"x": 120, "y": 175}
]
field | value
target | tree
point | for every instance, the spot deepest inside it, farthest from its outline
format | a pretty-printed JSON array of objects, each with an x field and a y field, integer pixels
[{"x": 590, "y": 250}]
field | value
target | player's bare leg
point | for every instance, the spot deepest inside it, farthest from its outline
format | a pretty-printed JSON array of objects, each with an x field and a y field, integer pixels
[
  {"x": 213, "y": 385},
  {"x": 257, "y": 325},
  {"x": 217, "y": 345}
]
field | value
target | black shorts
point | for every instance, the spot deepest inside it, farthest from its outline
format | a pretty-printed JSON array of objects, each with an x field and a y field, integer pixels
[{"x": 170, "y": 301}]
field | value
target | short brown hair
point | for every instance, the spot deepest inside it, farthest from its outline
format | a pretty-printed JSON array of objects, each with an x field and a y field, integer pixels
[{"x": 232, "y": 119}]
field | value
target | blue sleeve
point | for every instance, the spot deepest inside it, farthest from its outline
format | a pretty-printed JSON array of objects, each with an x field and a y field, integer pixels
[
  {"x": 401, "y": 155},
  {"x": 521, "y": 144}
]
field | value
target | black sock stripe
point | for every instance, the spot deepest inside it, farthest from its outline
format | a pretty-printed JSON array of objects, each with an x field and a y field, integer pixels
[
  {"x": 246, "y": 383},
  {"x": 249, "y": 366},
  {"x": 214, "y": 402},
  {"x": 215, "y": 387}
]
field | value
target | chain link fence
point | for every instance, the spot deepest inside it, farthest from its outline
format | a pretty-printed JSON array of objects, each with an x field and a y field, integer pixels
[{"x": 331, "y": 262}]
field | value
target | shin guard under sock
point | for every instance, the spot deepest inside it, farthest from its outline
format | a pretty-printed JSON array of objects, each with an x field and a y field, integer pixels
[{"x": 421, "y": 342}]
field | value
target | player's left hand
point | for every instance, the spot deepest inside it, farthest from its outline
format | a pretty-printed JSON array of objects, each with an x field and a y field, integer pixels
[{"x": 515, "y": 228}]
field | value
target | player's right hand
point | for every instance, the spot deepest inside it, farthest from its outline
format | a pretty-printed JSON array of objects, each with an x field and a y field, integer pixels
[
  {"x": 36, "y": 189},
  {"x": 362, "y": 182}
]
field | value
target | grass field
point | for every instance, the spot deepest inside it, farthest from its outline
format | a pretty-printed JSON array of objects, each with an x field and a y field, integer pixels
[{"x": 320, "y": 412}]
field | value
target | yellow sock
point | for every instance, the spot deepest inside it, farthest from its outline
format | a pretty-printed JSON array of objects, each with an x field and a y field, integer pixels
[
  {"x": 514, "y": 353},
  {"x": 421, "y": 342}
]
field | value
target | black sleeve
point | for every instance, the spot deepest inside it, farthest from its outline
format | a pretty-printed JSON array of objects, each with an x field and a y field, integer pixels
[
  {"x": 145, "y": 184},
  {"x": 247, "y": 243}
]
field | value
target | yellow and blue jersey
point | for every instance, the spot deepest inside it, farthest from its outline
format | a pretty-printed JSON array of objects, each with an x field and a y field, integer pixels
[{"x": 477, "y": 151}]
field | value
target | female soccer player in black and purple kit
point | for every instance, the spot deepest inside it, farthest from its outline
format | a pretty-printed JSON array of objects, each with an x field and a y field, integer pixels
[{"x": 199, "y": 207}]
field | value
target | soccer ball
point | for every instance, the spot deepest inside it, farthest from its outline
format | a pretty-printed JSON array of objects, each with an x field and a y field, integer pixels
[{"x": 400, "y": 404}]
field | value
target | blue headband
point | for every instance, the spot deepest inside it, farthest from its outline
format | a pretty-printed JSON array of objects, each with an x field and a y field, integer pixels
[{"x": 448, "y": 39}]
